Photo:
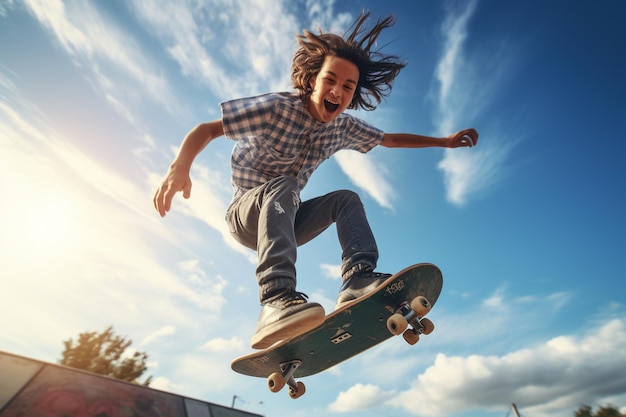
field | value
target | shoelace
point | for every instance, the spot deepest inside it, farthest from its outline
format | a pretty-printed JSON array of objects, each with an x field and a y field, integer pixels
[{"x": 293, "y": 298}]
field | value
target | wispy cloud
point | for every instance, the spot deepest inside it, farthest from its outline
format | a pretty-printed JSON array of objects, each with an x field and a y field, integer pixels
[
  {"x": 460, "y": 96},
  {"x": 116, "y": 63},
  {"x": 369, "y": 175},
  {"x": 323, "y": 15},
  {"x": 454, "y": 30},
  {"x": 237, "y": 49},
  {"x": 471, "y": 171}
]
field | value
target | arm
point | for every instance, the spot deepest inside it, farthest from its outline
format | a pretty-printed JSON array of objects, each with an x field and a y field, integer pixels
[
  {"x": 177, "y": 177},
  {"x": 467, "y": 137}
]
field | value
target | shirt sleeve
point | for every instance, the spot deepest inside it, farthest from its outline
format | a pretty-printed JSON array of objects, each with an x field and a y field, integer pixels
[
  {"x": 246, "y": 117},
  {"x": 359, "y": 135}
]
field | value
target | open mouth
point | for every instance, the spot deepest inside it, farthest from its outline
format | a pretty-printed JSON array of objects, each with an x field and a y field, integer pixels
[{"x": 330, "y": 106}]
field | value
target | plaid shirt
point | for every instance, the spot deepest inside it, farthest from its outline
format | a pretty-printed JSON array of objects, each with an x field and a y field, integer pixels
[{"x": 277, "y": 136}]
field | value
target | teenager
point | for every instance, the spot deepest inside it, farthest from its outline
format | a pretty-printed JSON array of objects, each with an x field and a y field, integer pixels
[{"x": 280, "y": 139}]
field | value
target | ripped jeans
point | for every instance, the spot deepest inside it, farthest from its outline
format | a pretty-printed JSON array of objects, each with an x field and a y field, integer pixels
[{"x": 272, "y": 220}]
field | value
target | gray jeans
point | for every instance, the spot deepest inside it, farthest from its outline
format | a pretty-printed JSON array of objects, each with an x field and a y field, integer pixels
[{"x": 272, "y": 220}]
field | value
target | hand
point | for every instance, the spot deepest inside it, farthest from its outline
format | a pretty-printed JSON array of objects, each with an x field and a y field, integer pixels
[
  {"x": 174, "y": 181},
  {"x": 463, "y": 138}
]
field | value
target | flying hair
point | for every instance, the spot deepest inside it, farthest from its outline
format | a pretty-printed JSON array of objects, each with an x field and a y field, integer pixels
[{"x": 376, "y": 70}]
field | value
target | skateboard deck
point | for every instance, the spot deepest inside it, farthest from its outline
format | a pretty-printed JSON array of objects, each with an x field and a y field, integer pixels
[{"x": 396, "y": 307}]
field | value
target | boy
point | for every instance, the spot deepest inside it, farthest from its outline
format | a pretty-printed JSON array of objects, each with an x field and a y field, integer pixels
[{"x": 280, "y": 139}]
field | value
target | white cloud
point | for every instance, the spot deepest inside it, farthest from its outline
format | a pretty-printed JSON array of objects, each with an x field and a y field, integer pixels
[
  {"x": 497, "y": 313},
  {"x": 159, "y": 334},
  {"x": 543, "y": 380},
  {"x": 368, "y": 175},
  {"x": 331, "y": 271},
  {"x": 496, "y": 301},
  {"x": 234, "y": 344},
  {"x": 360, "y": 397},
  {"x": 322, "y": 15},
  {"x": 451, "y": 68},
  {"x": 540, "y": 380},
  {"x": 462, "y": 92},
  {"x": 469, "y": 171},
  {"x": 328, "y": 303}
]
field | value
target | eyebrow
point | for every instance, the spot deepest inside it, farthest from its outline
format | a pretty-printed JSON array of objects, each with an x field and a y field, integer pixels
[{"x": 348, "y": 80}]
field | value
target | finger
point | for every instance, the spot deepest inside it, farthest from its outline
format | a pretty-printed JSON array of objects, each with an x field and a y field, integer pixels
[
  {"x": 167, "y": 200},
  {"x": 187, "y": 189},
  {"x": 156, "y": 200},
  {"x": 467, "y": 140},
  {"x": 473, "y": 134},
  {"x": 163, "y": 200}
]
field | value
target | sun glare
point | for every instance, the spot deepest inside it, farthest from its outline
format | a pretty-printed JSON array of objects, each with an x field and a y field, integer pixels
[
  {"x": 49, "y": 223},
  {"x": 52, "y": 227}
]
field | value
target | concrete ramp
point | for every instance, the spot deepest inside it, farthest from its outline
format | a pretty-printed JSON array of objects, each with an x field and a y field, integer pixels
[{"x": 30, "y": 388}]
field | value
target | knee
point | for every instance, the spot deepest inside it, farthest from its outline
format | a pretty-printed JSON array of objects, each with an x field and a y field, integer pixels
[
  {"x": 347, "y": 201},
  {"x": 349, "y": 197}
]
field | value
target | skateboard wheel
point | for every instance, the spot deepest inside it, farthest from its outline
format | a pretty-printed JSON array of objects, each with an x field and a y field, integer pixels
[
  {"x": 275, "y": 382},
  {"x": 397, "y": 324},
  {"x": 299, "y": 392},
  {"x": 421, "y": 306},
  {"x": 428, "y": 326},
  {"x": 411, "y": 336}
]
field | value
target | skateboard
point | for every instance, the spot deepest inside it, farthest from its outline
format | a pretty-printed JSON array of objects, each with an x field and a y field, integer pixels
[{"x": 397, "y": 306}]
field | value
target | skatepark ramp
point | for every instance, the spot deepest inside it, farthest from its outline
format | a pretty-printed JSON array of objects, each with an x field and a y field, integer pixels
[{"x": 31, "y": 388}]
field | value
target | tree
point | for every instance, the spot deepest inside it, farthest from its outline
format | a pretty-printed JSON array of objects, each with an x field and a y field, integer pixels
[
  {"x": 603, "y": 411},
  {"x": 583, "y": 411},
  {"x": 101, "y": 353},
  {"x": 607, "y": 411}
]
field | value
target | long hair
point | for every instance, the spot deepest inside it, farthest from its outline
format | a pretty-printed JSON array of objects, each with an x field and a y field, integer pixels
[{"x": 376, "y": 70}]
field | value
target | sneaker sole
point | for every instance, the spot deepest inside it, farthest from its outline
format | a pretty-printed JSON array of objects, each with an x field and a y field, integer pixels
[{"x": 288, "y": 327}]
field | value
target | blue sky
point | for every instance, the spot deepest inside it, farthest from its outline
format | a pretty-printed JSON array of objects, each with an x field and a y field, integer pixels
[{"x": 528, "y": 227}]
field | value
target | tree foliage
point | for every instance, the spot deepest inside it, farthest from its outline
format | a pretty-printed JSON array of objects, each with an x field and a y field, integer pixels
[
  {"x": 602, "y": 411},
  {"x": 103, "y": 353}
]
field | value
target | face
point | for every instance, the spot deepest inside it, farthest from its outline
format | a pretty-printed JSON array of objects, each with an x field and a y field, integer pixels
[{"x": 333, "y": 88}]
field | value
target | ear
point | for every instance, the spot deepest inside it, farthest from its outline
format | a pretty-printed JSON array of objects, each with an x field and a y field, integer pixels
[{"x": 312, "y": 81}]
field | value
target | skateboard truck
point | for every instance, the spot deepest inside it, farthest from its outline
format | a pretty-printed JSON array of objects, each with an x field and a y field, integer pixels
[
  {"x": 277, "y": 380},
  {"x": 411, "y": 314}
]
